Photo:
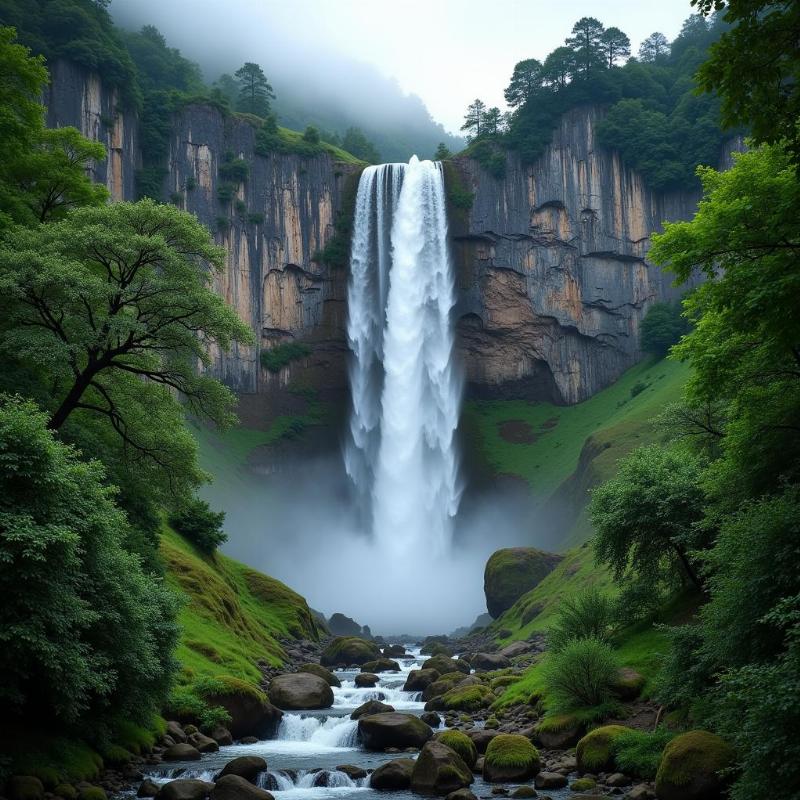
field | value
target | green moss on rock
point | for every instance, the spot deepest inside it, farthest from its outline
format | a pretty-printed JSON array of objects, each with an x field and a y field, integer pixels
[
  {"x": 583, "y": 784},
  {"x": 691, "y": 765},
  {"x": 512, "y": 572},
  {"x": 460, "y": 743},
  {"x": 595, "y": 751},
  {"x": 465, "y": 698},
  {"x": 92, "y": 793},
  {"x": 510, "y": 757},
  {"x": 66, "y": 790},
  {"x": 347, "y": 650},
  {"x": 25, "y": 787}
]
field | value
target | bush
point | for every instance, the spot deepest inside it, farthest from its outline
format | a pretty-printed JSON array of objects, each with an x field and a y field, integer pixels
[
  {"x": 200, "y": 525},
  {"x": 587, "y": 614},
  {"x": 276, "y": 358},
  {"x": 311, "y": 135},
  {"x": 579, "y": 675},
  {"x": 235, "y": 170},
  {"x": 638, "y": 753},
  {"x": 255, "y": 218},
  {"x": 662, "y": 326},
  {"x": 226, "y": 192}
]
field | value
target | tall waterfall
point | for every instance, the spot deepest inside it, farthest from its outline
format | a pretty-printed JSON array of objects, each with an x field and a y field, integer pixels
[{"x": 406, "y": 393}]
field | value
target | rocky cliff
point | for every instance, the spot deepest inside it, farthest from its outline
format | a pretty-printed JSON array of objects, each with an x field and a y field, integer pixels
[{"x": 552, "y": 268}]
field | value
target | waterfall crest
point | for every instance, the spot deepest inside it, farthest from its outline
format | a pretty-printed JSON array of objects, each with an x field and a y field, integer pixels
[{"x": 401, "y": 453}]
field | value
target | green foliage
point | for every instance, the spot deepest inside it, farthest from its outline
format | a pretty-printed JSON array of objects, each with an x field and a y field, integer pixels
[
  {"x": 281, "y": 355},
  {"x": 91, "y": 635},
  {"x": 158, "y": 66},
  {"x": 689, "y": 755},
  {"x": 255, "y": 91},
  {"x": 489, "y": 156},
  {"x": 647, "y": 527},
  {"x": 234, "y": 170},
  {"x": 200, "y": 525},
  {"x": 588, "y": 614},
  {"x": 311, "y": 135},
  {"x": 226, "y": 192},
  {"x": 579, "y": 675},
  {"x": 442, "y": 152},
  {"x": 336, "y": 252},
  {"x": 461, "y": 743},
  {"x": 638, "y": 753},
  {"x": 356, "y": 142},
  {"x": 467, "y": 698}
]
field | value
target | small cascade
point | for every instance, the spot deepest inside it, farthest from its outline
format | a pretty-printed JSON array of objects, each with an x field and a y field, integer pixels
[
  {"x": 287, "y": 780},
  {"x": 324, "y": 732}
]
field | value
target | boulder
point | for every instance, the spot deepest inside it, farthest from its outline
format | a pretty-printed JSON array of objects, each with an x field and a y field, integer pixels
[
  {"x": 371, "y": 707},
  {"x": 250, "y": 712},
  {"x": 69, "y": 792},
  {"x": 381, "y": 665},
  {"x": 628, "y": 684},
  {"x": 486, "y": 662},
  {"x": 515, "y": 649},
  {"x": 463, "y": 698},
  {"x": 558, "y": 732},
  {"x": 394, "y": 651},
  {"x": 524, "y": 791},
  {"x": 442, "y": 685},
  {"x": 344, "y": 651},
  {"x": 181, "y": 752},
  {"x": 594, "y": 752},
  {"x": 439, "y": 770},
  {"x": 300, "y": 690},
  {"x": 321, "y": 672},
  {"x": 550, "y": 780},
  {"x": 185, "y": 789},
  {"x": 175, "y": 730},
  {"x": 366, "y": 679},
  {"x": 511, "y": 573},
  {"x": 510, "y": 758},
  {"x": 147, "y": 788},
  {"x": 222, "y": 736},
  {"x": 460, "y": 743},
  {"x": 25, "y": 787},
  {"x": 379, "y": 731},
  {"x": 461, "y": 794},
  {"x": 617, "y": 780},
  {"x": 392, "y": 775},
  {"x": 481, "y": 737},
  {"x": 353, "y": 772},
  {"x": 419, "y": 680},
  {"x": 234, "y": 787},
  {"x": 431, "y": 718},
  {"x": 443, "y": 665},
  {"x": 690, "y": 767},
  {"x": 205, "y": 744},
  {"x": 247, "y": 767}
]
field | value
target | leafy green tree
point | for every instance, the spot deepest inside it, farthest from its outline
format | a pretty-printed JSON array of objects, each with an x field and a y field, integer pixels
[
  {"x": 227, "y": 87},
  {"x": 647, "y": 519},
  {"x": 615, "y": 45},
  {"x": 654, "y": 48},
  {"x": 160, "y": 67},
  {"x": 115, "y": 305},
  {"x": 255, "y": 91},
  {"x": 559, "y": 67},
  {"x": 311, "y": 135},
  {"x": 442, "y": 152},
  {"x": 196, "y": 521},
  {"x": 492, "y": 121},
  {"x": 755, "y": 67},
  {"x": 525, "y": 80},
  {"x": 586, "y": 43},
  {"x": 474, "y": 118},
  {"x": 356, "y": 142},
  {"x": 85, "y": 633},
  {"x": 662, "y": 326}
]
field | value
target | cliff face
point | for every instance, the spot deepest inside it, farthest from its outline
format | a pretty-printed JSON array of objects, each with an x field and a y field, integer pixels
[{"x": 552, "y": 270}]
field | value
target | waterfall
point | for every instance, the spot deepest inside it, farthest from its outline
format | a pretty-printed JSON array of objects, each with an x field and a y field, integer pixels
[{"x": 401, "y": 453}]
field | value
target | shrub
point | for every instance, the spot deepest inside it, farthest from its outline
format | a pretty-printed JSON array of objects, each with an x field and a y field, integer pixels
[
  {"x": 587, "y": 614},
  {"x": 311, "y": 135},
  {"x": 255, "y": 218},
  {"x": 190, "y": 184},
  {"x": 200, "y": 525},
  {"x": 235, "y": 170},
  {"x": 222, "y": 223},
  {"x": 638, "y": 753},
  {"x": 638, "y": 388},
  {"x": 225, "y": 192},
  {"x": 579, "y": 675},
  {"x": 276, "y": 358},
  {"x": 662, "y": 326},
  {"x": 240, "y": 207},
  {"x": 176, "y": 198}
]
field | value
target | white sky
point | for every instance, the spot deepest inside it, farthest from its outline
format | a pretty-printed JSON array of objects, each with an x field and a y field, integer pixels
[{"x": 446, "y": 51}]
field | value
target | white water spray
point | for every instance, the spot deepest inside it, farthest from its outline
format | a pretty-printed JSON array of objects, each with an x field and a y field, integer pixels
[{"x": 406, "y": 394}]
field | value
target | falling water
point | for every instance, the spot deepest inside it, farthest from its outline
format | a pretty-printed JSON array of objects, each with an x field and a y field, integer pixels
[{"x": 406, "y": 394}]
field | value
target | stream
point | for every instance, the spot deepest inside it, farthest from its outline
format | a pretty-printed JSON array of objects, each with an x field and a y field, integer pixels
[{"x": 308, "y": 747}]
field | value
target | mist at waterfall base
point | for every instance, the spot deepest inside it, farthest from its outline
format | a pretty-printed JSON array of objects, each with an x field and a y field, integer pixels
[{"x": 386, "y": 543}]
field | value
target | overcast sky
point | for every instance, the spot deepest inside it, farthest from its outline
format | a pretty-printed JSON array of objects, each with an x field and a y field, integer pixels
[{"x": 446, "y": 51}]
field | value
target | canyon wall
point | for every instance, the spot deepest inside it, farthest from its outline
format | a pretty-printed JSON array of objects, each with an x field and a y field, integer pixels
[{"x": 552, "y": 268}]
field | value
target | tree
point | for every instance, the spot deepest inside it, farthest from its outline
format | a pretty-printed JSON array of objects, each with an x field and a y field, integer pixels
[
  {"x": 492, "y": 121},
  {"x": 196, "y": 521},
  {"x": 647, "y": 518},
  {"x": 255, "y": 91},
  {"x": 662, "y": 326},
  {"x": 311, "y": 135},
  {"x": 586, "y": 43},
  {"x": 85, "y": 633},
  {"x": 442, "y": 152},
  {"x": 115, "y": 305},
  {"x": 615, "y": 45},
  {"x": 525, "y": 80},
  {"x": 355, "y": 141},
  {"x": 473, "y": 120},
  {"x": 654, "y": 48},
  {"x": 227, "y": 87},
  {"x": 559, "y": 67},
  {"x": 755, "y": 67}
]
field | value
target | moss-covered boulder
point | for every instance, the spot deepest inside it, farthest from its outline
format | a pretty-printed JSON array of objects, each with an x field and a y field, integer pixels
[
  {"x": 346, "y": 650},
  {"x": 511, "y": 573},
  {"x": 461, "y": 743},
  {"x": 595, "y": 751},
  {"x": 628, "y": 684},
  {"x": 510, "y": 758},
  {"x": 690, "y": 767},
  {"x": 300, "y": 690},
  {"x": 487, "y": 662},
  {"x": 379, "y": 731},
  {"x": 250, "y": 711},
  {"x": 444, "y": 665},
  {"x": 463, "y": 698},
  {"x": 25, "y": 787},
  {"x": 439, "y": 770},
  {"x": 419, "y": 680},
  {"x": 321, "y": 672},
  {"x": 381, "y": 665},
  {"x": 66, "y": 791},
  {"x": 442, "y": 684},
  {"x": 583, "y": 784},
  {"x": 393, "y": 775},
  {"x": 558, "y": 732},
  {"x": 371, "y": 707}
]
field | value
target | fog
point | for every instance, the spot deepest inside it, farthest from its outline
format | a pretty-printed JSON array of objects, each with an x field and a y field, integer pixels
[{"x": 301, "y": 526}]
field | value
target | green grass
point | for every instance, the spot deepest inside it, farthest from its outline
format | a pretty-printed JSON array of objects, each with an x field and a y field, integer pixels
[
  {"x": 293, "y": 142},
  {"x": 615, "y": 420}
]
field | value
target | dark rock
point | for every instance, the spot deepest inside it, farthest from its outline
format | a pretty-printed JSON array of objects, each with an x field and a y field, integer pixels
[
  {"x": 352, "y": 772},
  {"x": 431, "y": 718},
  {"x": 511, "y": 573},
  {"x": 550, "y": 780},
  {"x": 181, "y": 752},
  {"x": 321, "y": 672},
  {"x": 147, "y": 788},
  {"x": 381, "y": 665},
  {"x": 443, "y": 665},
  {"x": 222, "y": 736},
  {"x": 234, "y": 787},
  {"x": 524, "y": 791},
  {"x": 629, "y": 684},
  {"x": 205, "y": 744},
  {"x": 461, "y": 794},
  {"x": 371, "y": 707},
  {"x": 394, "y": 651},
  {"x": 247, "y": 767},
  {"x": 616, "y": 780},
  {"x": 392, "y": 775},
  {"x": 185, "y": 789},
  {"x": 249, "y": 740},
  {"x": 177, "y": 733},
  {"x": 420, "y": 679},
  {"x": 250, "y": 712},
  {"x": 344, "y": 651},
  {"x": 341, "y": 625},
  {"x": 439, "y": 770},
  {"x": 300, "y": 690},
  {"x": 25, "y": 787},
  {"x": 481, "y": 737},
  {"x": 379, "y": 731},
  {"x": 516, "y": 649},
  {"x": 487, "y": 662},
  {"x": 366, "y": 679}
]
